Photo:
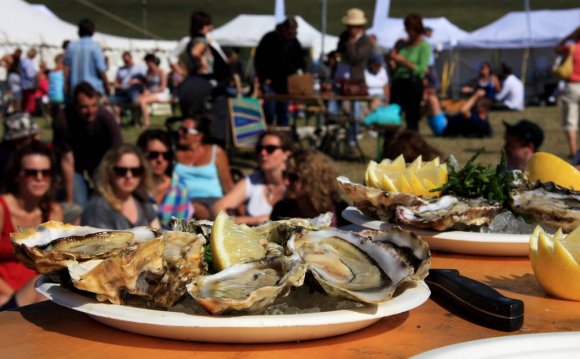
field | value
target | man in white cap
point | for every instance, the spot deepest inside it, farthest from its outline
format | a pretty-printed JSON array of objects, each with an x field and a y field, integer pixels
[{"x": 354, "y": 45}]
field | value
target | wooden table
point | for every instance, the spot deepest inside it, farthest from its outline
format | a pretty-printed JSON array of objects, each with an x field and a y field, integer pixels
[{"x": 49, "y": 331}]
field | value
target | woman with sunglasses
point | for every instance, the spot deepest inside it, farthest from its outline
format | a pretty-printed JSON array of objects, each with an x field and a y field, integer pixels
[
  {"x": 27, "y": 201},
  {"x": 169, "y": 190},
  {"x": 261, "y": 190},
  {"x": 311, "y": 188},
  {"x": 123, "y": 180},
  {"x": 204, "y": 167}
]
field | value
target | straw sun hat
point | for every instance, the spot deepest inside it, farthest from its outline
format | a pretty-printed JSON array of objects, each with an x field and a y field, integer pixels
[{"x": 354, "y": 17}]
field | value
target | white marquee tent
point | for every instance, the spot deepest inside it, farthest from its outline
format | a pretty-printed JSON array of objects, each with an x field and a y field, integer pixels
[
  {"x": 524, "y": 41},
  {"x": 22, "y": 25},
  {"x": 247, "y": 30},
  {"x": 445, "y": 33}
]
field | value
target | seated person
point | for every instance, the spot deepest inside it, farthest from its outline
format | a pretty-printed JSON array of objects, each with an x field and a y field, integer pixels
[
  {"x": 376, "y": 78},
  {"x": 169, "y": 190},
  {"x": 204, "y": 167},
  {"x": 511, "y": 96},
  {"x": 123, "y": 183},
  {"x": 411, "y": 144},
  {"x": 472, "y": 121},
  {"x": 129, "y": 83},
  {"x": 155, "y": 89},
  {"x": 311, "y": 188},
  {"x": 264, "y": 188},
  {"x": 522, "y": 140},
  {"x": 487, "y": 81}
]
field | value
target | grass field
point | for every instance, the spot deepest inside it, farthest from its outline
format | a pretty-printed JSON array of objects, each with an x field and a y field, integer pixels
[
  {"x": 462, "y": 148},
  {"x": 169, "y": 18}
]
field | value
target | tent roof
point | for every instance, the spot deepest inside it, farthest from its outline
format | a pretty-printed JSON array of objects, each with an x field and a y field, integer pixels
[
  {"x": 23, "y": 25},
  {"x": 445, "y": 33},
  {"x": 247, "y": 31},
  {"x": 548, "y": 27}
]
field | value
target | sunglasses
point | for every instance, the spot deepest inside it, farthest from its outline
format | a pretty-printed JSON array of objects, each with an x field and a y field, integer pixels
[
  {"x": 153, "y": 155},
  {"x": 269, "y": 148},
  {"x": 291, "y": 176},
  {"x": 123, "y": 171},
  {"x": 189, "y": 131},
  {"x": 33, "y": 173}
]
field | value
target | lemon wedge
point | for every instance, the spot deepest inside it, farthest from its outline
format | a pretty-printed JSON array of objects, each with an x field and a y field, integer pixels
[
  {"x": 556, "y": 262},
  {"x": 418, "y": 177},
  {"x": 233, "y": 243},
  {"x": 547, "y": 167}
]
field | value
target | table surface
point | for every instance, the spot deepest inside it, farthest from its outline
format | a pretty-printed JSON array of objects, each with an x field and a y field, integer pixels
[
  {"x": 48, "y": 330},
  {"x": 315, "y": 97}
]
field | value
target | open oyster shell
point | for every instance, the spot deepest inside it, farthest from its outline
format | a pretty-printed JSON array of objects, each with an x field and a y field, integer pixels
[
  {"x": 49, "y": 247},
  {"x": 374, "y": 202},
  {"x": 447, "y": 212},
  {"x": 248, "y": 287},
  {"x": 367, "y": 266},
  {"x": 549, "y": 205}
]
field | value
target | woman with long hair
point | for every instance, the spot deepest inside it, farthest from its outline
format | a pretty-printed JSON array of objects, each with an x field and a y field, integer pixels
[
  {"x": 203, "y": 166},
  {"x": 261, "y": 190},
  {"x": 27, "y": 201},
  {"x": 486, "y": 80},
  {"x": 169, "y": 190},
  {"x": 123, "y": 181},
  {"x": 411, "y": 59},
  {"x": 311, "y": 188}
]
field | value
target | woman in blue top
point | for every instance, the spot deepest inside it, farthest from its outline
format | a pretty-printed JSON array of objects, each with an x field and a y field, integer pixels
[{"x": 204, "y": 167}]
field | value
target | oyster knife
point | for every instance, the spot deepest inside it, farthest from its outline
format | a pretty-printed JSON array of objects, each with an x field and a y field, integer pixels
[{"x": 475, "y": 301}]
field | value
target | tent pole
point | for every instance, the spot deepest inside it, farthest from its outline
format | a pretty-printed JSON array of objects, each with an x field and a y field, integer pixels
[
  {"x": 525, "y": 66},
  {"x": 323, "y": 26}
]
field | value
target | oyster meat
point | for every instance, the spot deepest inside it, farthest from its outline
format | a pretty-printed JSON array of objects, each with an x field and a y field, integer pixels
[
  {"x": 366, "y": 267},
  {"x": 447, "y": 212},
  {"x": 549, "y": 205}
]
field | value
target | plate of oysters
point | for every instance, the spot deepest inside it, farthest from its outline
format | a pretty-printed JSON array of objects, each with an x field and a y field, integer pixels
[
  {"x": 310, "y": 281},
  {"x": 473, "y": 210}
]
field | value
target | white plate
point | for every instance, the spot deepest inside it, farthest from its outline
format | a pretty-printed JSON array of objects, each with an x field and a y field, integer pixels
[
  {"x": 542, "y": 345},
  {"x": 234, "y": 329},
  {"x": 493, "y": 244}
]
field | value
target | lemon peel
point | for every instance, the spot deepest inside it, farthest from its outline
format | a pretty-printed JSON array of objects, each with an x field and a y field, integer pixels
[{"x": 547, "y": 167}]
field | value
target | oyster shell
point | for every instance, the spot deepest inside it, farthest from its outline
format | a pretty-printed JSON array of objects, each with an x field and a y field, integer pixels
[
  {"x": 48, "y": 247},
  {"x": 549, "y": 205},
  {"x": 447, "y": 212},
  {"x": 367, "y": 266},
  {"x": 247, "y": 287},
  {"x": 374, "y": 202},
  {"x": 156, "y": 271}
]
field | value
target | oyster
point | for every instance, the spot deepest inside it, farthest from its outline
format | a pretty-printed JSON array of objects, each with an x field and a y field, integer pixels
[
  {"x": 548, "y": 205},
  {"x": 367, "y": 266},
  {"x": 248, "y": 287},
  {"x": 374, "y": 202},
  {"x": 49, "y": 246},
  {"x": 447, "y": 212},
  {"x": 156, "y": 271}
]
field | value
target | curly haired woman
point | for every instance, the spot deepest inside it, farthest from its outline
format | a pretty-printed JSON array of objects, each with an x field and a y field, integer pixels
[{"x": 311, "y": 188}]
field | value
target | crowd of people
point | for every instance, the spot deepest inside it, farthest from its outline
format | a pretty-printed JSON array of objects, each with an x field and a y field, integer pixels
[{"x": 89, "y": 175}]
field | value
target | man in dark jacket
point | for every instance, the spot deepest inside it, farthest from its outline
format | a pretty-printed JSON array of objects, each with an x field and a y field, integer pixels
[
  {"x": 278, "y": 55},
  {"x": 354, "y": 45}
]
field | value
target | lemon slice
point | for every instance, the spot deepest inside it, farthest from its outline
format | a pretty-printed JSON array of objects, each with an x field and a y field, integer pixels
[
  {"x": 556, "y": 262},
  {"x": 547, "y": 167},
  {"x": 233, "y": 243}
]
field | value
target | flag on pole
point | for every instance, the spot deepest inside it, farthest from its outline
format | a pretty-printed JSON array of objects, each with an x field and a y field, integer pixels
[
  {"x": 381, "y": 14},
  {"x": 279, "y": 11}
]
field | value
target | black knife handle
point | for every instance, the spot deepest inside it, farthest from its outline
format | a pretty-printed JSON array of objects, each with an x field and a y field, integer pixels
[{"x": 475, "y": 301}]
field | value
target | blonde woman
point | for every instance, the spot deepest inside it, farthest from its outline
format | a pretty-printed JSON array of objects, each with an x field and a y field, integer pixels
[
  {"x": 311, "y": 188},
  {"x": 123, "y": 181}
]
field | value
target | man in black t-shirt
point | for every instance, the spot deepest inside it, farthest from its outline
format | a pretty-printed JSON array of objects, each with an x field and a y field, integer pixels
[{"x": 83, "y": 133}]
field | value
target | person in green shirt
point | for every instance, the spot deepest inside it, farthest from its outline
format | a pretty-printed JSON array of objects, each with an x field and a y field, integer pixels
[{"x": 410, "y": 60}]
